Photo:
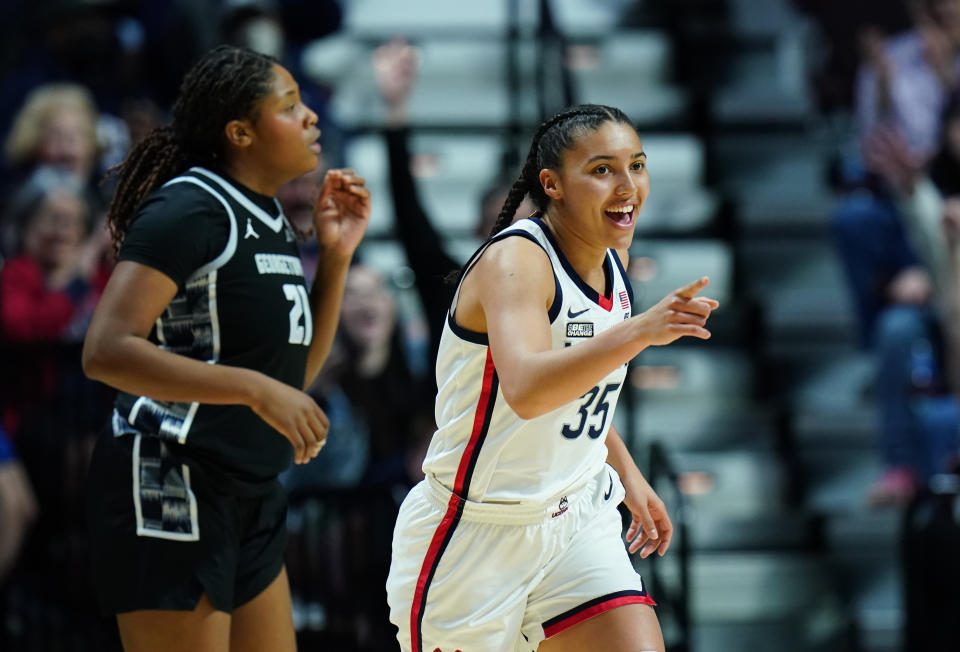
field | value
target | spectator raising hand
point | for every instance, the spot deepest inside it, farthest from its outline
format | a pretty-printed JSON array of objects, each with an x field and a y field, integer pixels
[{"x": 395, "y": 66}]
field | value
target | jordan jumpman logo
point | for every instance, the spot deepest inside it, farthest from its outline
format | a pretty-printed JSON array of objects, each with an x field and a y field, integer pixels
[{"x": 250, "y": 232}]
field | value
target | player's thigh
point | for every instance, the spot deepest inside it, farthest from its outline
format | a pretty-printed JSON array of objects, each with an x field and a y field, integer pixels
[
  {"x": 456, "y": 584},
  {"x": 630, "y": 628},
  {"x": 591, "y": 573},
  {"x": 156, "y": 630},
  {"x": 266, "y": 621}
]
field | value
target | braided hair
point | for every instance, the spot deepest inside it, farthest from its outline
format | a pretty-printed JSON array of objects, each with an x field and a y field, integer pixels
[
  {"x": 552, "y": 139},
  {"x": 225, "y": 84}
]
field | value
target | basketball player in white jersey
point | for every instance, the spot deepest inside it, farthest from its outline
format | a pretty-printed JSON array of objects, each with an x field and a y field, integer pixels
[{"x": 513, "y": 540}]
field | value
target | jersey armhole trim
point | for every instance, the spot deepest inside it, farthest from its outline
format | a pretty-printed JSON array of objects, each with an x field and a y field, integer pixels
[
  {"x": 481, "y": 338},
  {"x": 231, "y": 245}
]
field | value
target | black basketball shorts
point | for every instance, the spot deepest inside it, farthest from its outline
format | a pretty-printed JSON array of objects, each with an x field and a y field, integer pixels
[{"x": 162, "y": 531}]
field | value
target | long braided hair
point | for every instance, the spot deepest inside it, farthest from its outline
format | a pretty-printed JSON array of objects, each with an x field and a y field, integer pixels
[
  {"x": 552, "y": 139},
  {"x": 226, "y": 84}
]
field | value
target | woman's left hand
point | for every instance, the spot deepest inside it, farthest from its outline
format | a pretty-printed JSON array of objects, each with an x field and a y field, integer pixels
[
  {"x": 651, "y": 526},
  {"x": 342, "y": 212}
]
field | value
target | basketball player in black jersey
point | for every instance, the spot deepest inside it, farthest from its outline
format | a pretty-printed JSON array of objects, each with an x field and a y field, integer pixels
[{"x": 209, "y": 333}]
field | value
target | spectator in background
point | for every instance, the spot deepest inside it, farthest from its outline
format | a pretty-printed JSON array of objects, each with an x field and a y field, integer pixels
[
  {"x": 49, "y": 287},
  {"x": 903, "y": 86},
  {"x": 48, "y": 291},
  {"x": 297, "y": 198},
  {"x": 834, "y": 72},
  {"x": 282, "y": 29},
  {"x": 343, "y": 460},
  {"x": 379, "y": 380},
  {"x": 951, "y": 241},
  {"x": 374, "y": 391},
  {"x": 917, "y": 344},
  {"x": 395, "y": 67},
  {"x": 372, "y": 386},
  {"x": 924, "y": 344},
  {"x": 56, "y": 127},
  {"x": 18, "y": 506},
  {"x": 909, "y": 78}
]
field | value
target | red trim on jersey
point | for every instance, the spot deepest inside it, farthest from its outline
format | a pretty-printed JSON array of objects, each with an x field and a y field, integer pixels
[
  {"x": 454, "y": 508},
  {"x": 594, "y": 610},
  {"x": 605, "y": 302},
  {"x": 478, "y": 427},
  {"x": 449, "y": 521}
]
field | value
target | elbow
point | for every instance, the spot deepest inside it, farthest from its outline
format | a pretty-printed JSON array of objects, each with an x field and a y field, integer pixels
[
  {"x": 524, "y": 404},
  {"x": 92, "y": 360}
]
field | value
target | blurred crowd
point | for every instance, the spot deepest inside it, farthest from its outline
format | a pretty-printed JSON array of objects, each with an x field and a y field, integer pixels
[
  {"x": 91, "y": 78},
  {"x": 893, "y": 67}
]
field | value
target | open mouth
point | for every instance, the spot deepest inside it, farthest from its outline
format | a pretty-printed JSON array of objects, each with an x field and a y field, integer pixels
[{"x": 622, "y": 215}]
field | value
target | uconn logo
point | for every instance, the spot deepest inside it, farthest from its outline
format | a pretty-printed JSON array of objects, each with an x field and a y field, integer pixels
[{"x": 561, "y": 508}]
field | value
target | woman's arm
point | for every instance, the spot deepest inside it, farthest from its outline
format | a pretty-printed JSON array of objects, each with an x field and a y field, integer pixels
[
  {"x": 651, "y": 525},
  {"x": 117, "y": 352},
  {"x": 507, "y": 295}
]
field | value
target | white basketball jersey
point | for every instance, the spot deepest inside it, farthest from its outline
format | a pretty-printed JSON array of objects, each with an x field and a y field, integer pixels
[{"x": 482, "y": 450}]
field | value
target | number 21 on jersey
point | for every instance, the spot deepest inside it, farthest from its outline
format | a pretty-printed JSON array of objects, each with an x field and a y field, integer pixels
[{"x": 301, "y": 324}]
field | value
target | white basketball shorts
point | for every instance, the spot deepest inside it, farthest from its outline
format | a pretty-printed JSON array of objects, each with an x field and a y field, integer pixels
[{"x": 501, "y": 577}]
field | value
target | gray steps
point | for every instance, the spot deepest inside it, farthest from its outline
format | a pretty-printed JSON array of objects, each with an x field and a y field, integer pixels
[
  {"x": 863, "y": 551},
  {"x": 736, "y": 482},
  {"x": 838, "y": 480},
  {"x": 772, "y": 166},
  {"x": 660, "y": 266},
  {"x": 822, "y": 631},
  {"x": 739, "y": 602},
  {"x": 715, "y": 425},
  {"x": 450, "y": 187},
  {"x": 767, "y": 574}
]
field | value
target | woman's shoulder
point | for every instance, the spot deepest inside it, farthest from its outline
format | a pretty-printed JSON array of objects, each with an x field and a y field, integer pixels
[
  {"x": 186, "y": 190},
  {"x": 180, "y": 202},
  {"x": 514, "y": 255}
]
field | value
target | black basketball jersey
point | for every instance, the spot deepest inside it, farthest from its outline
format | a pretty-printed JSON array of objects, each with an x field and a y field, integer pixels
[{"x": 246, "y": 305}]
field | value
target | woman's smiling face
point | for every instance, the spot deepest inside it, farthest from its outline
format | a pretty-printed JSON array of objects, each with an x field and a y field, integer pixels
[{"x": 601, "y": 185}]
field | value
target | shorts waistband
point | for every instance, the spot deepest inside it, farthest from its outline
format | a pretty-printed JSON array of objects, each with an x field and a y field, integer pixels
[{"x": 521, "y": 513}]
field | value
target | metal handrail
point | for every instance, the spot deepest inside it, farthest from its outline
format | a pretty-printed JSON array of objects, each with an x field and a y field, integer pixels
[{"x": 662, "y": 467}]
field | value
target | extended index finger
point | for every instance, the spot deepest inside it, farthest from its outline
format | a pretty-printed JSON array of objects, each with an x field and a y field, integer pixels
[{"x": 690, "y": 290}]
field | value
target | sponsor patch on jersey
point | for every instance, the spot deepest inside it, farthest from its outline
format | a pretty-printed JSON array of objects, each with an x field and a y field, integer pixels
[{"x": 580, "y": 329}]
